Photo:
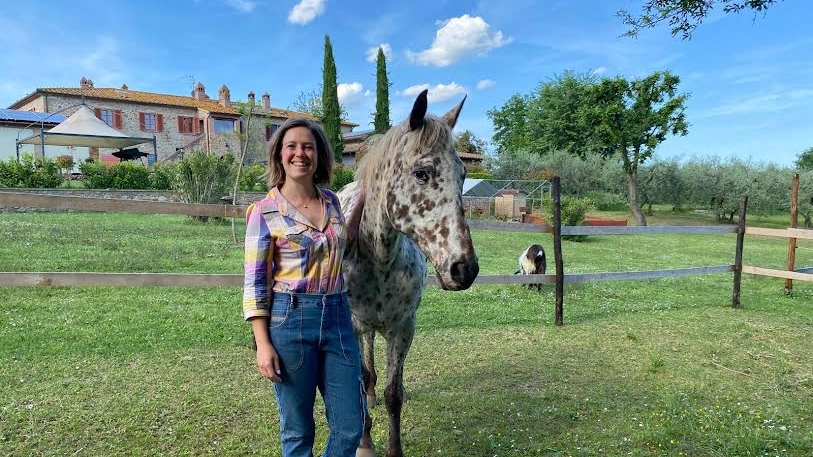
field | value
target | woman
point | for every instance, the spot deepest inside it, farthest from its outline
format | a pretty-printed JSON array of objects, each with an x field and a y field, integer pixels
[{"x": 295, "y": 295}]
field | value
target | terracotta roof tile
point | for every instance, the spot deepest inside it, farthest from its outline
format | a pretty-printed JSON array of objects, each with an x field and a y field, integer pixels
[{"x": 151, "y": 98}]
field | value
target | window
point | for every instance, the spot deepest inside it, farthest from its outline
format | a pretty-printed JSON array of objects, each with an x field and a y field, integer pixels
[
  {"x": 187, "y": 124},
  {"x": 151, "y": 122},
  {"x": 269, "y": 131},
  {"x": 107, "y": 116},
  {"x": 111, "y": 117},
  {"x": 223, "y": 126}
]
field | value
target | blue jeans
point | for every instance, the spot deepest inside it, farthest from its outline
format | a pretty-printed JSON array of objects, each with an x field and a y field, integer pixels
[{"x": 313, "y": 336}]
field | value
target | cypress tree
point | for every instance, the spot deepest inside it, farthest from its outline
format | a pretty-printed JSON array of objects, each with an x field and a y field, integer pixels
[
  {"x": 382, "y": 94},
  {"x": 331, "y": 111}
]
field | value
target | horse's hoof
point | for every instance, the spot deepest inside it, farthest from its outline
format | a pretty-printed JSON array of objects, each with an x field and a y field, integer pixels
[
  {"x": 371, "y": 401},
  {"x": 365, "y": 452}
]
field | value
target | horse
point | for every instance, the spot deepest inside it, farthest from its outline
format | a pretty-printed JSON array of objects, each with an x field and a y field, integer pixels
[
  {"x": 410, "y": 185},
  {"x": 532, "y": 261}
]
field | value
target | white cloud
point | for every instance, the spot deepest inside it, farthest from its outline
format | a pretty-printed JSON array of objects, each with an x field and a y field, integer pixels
[
  {"x": 372, "y": 53},
  {"x": 437, "y": 93},
  {"x": 458, "y": 37},
  {"x": 599, "y": 71},
  {"x": 484, "y": 84},
  {"x": 350, "y": 94},
  {"x": 306, "y": 11},
  {"x": 243, "y": 6}
]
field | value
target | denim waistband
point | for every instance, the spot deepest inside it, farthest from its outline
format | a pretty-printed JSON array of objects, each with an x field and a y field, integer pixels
[{"x": 301, "y": 298}]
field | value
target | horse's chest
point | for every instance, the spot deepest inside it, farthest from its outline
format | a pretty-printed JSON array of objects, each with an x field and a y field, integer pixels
[{"x": 386, "y": 296}]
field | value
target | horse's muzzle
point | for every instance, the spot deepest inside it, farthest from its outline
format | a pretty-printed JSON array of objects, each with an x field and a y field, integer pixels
[{"x": 462, "y": 275}]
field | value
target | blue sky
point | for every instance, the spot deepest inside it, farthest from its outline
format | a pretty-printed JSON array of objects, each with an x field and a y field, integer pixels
[{"x": 750, "y": 81}]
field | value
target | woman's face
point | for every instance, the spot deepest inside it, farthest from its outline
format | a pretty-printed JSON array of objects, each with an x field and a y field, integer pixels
[{"x": 298, "y": 154}]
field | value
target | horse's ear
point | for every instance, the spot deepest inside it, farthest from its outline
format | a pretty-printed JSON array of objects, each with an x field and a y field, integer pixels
[
  {"x": 418, "y": 111},
  {"x": 450, "y": 118}
]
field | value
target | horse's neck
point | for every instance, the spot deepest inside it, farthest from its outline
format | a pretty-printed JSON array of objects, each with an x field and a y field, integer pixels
[{"x": 383, "y": 242}]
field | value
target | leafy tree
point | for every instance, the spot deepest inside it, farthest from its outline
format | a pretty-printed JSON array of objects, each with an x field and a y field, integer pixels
[
  {"x": 683, "y": 16},
  {"x": 511, "y": 125},
  {"x": 65, "y": 163},
  {"x": 331, "y": 115},
  {"x": 556, "y": 120},
  {"x": 804, "y": 160},
  {"x": 311, "y": 103},
  {"x": 630, "y": 119},
  {"x": 514, "y": 164},
  {"x": 466, "y": 141},
  {"x": 806, "y": 198},
  {"x": 381, "y": 123}
]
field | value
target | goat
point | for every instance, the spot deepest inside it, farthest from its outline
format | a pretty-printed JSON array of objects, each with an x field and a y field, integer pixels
[{"x": 532, "y": 261}]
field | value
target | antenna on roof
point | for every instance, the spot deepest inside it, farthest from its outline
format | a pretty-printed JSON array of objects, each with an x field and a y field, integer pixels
[{"x": 191, "y": 79}]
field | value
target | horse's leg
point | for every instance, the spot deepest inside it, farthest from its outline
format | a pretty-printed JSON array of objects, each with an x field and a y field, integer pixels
[
  {"x": 367, "y": 340},
  {"x": 369, "y": 378},
  {"x": 397, "y": 348}
]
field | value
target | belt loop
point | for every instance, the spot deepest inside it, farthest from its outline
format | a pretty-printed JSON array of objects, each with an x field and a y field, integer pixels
[{"x": 293, "y": 301}]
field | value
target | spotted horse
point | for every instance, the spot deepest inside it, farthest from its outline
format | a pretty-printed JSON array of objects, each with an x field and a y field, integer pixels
[{"x": 410, "y": 182}]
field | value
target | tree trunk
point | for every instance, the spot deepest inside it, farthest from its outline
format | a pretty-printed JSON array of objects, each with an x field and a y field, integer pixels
[{"x": 632, "y": 198}]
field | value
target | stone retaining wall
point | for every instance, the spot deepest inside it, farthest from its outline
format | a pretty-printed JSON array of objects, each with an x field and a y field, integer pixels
[{"x": 243, "y": 198}]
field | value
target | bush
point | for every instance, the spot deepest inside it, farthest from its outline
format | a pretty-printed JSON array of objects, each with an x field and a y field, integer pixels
[
  {"x": 203, "y": 178},
  {"x": 573, "y": 211},
  {"x": 341, "y": 177},
  {"x": 607, "y": 201},
  {"x": 161, "y": 176},
  {"x": 97, "y": 174},
  {"x": 39, "y": 172},
  {"x": 252, "y": 178},
  {"x": 129, "y": 175}
]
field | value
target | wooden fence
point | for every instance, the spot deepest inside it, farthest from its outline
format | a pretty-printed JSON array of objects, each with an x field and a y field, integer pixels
[{"x": 12, "y": 199}]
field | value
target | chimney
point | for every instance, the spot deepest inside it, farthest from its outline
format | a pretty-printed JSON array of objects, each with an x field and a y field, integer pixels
[
  {"x": 224, "y": 96},
  {"x": 266, "y": 101},
  {"x": 251, "y": 99},
  {"x": 85, "y": 83},
  {"x": 200, "y": 92}
]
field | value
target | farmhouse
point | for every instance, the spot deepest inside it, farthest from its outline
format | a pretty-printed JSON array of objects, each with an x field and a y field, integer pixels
[
  {"x": 177, "y": 122},
  {"x": 15, "y": 124}
]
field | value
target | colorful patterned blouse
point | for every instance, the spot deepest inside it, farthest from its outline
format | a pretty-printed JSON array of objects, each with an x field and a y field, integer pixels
[{"x": 285, "y": 252}]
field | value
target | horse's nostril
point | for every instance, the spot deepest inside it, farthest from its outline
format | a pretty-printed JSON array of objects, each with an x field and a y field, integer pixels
[{"x": 464, "y": 272}]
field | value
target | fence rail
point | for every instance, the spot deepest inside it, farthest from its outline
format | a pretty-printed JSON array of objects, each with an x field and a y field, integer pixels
[{"x": 69, "y": 279}]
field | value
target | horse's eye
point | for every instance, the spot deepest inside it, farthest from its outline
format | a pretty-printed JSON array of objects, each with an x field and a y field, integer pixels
[{"x": 421, "y": 175}]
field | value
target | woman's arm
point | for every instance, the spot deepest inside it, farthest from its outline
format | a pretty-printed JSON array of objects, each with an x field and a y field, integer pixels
[{"x": 267, "y": 358}]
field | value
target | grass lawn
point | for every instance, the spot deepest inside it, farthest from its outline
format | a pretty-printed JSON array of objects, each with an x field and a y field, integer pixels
[{"x": 641, "y": 368}]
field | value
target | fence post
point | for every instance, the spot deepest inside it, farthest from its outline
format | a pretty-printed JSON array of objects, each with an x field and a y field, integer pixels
[
  {"x": 794, "y": 222},
  {"x": 735, "y": 299},
  {"x": 557, "y": 251}
]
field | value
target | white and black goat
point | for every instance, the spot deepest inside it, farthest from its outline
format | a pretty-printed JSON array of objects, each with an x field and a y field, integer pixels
[{"x": 533, "y": 262}]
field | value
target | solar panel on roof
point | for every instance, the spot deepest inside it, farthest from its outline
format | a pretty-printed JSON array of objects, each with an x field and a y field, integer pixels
[{"x": 30, "y": 116}]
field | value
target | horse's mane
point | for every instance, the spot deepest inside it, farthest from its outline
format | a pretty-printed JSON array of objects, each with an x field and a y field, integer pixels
[{"x": 378, "y": 149}]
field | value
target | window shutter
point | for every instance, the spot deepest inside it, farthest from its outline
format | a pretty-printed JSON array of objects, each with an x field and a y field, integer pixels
[
  {"x": 267, "y": 133},
  {"x": 98, "y": 112},
  {"x": 195, "y": 125},
  {"x": 141, "y": 121},
  {"x": 180, "y": 125},
  {"x": 117, "y": 121},
  {"x": 159, "y": 122}
]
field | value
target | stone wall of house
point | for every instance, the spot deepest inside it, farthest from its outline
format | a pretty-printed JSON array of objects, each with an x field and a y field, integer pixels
[
  {"x": 243, "y": 198},
  {"x": 167, "y": 140}
]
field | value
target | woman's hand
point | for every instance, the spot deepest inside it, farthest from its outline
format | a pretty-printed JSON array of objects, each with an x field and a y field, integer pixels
[
  {"x": 268, "y": 362},
  {"x": 267, "y": 358}
]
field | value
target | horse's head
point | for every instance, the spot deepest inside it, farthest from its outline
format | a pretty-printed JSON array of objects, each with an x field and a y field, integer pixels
[{"x": 422, "y": 198}]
